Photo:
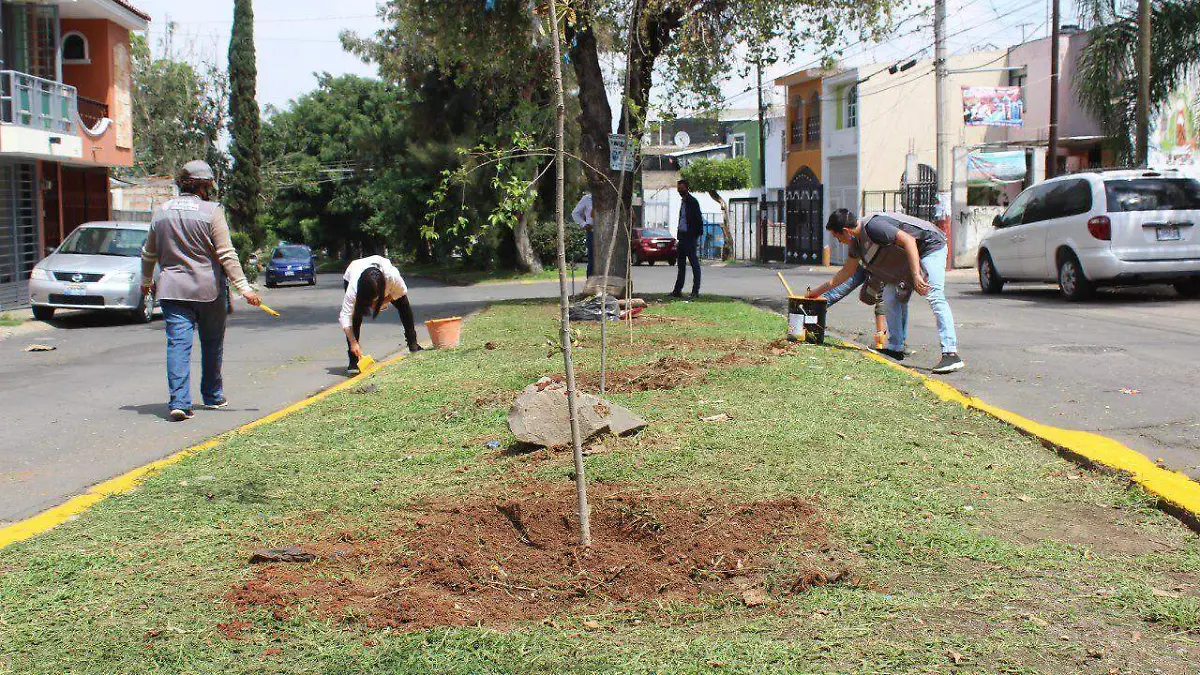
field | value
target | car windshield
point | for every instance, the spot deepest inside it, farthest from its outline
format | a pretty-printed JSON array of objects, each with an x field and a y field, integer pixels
[
  {"x": 1153, "y": 194},
  {"x": 655, "y": 232},
  {"x": 292, "y": 253},
  {"x": 114, "y": 241}
]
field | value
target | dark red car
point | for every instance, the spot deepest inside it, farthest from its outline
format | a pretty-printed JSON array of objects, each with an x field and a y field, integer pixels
[{"x": 651, "y": 244}]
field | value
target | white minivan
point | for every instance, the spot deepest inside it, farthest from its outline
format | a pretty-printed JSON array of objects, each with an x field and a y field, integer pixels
[{"x": 1105, "y": 228}]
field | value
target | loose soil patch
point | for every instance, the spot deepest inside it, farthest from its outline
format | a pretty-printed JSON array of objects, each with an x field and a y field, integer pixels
[
  {"x": 497, "y": 561},
  {"x": 668, "y": 372}
]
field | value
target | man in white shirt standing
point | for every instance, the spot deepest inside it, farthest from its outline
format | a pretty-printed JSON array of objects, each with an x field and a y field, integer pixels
[{"x": 585, "y": 218}]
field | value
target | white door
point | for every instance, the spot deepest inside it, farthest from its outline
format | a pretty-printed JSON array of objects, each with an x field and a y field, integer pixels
[
  {"x": 1003, "y": 242},
  {"x": 841, "y": 185}
]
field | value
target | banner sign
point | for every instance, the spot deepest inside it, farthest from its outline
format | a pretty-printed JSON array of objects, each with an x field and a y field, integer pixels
[
  {"x": 621, "y": 153},
  {"x": 993, "y": 107},
  {"x": 995, "y": 168},
  {"x": 1175, "y": 132}
]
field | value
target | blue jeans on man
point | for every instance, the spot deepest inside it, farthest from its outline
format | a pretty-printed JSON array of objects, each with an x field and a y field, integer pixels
[
  {"x": 183, "y": 319},
  {"x": 896, "y": 309},
  {"x": 934, "y": 266}
]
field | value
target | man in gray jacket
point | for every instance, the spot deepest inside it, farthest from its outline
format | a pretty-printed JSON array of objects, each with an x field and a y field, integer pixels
[{"x": 189, "y": 240}]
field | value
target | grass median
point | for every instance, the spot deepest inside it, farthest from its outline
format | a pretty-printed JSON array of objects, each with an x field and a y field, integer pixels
[{"x": 948, "y": 542}]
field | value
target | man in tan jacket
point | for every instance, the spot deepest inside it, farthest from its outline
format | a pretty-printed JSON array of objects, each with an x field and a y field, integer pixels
[{"x": 189, "y": 241}]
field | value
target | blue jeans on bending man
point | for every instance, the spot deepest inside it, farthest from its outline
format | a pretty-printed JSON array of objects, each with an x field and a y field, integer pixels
[{"x": 934, "y": 267}]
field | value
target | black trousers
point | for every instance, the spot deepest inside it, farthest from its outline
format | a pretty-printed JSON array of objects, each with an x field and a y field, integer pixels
[
  {"x": 406, "y": 317},
  {"x": 688, "y": 252}
]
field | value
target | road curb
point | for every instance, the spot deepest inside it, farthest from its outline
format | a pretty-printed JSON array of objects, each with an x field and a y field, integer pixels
[
  {"x": 55, "y": 516},
  {"x": 1178, "y": 494}
]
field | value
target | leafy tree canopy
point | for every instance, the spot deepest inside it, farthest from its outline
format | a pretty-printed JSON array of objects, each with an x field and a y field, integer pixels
[{"x": 713, "y": 175}]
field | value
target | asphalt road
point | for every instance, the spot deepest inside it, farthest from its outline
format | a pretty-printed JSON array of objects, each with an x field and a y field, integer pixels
[
  {"x": 1124, "y": 366},
  {"x": 96, "y": 407}
]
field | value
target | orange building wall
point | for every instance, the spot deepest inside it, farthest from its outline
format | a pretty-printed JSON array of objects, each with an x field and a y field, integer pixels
[
  {"x": 802, "y": 154},
  {"x": 97, "y": 81}
]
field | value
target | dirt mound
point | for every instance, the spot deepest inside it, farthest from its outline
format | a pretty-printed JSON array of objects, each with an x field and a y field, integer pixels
[
  {"x": 668, "y": 372},
  {"x": 494, "y": 562}
]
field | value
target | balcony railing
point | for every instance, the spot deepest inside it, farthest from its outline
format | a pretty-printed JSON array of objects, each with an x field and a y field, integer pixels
[{"x": 36, "y": 103}]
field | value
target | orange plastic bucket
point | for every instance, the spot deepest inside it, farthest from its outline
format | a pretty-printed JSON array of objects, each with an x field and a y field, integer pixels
[{"x": 445, "y": 333}]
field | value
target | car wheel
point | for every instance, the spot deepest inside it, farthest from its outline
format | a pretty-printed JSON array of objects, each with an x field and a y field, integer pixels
[
  {"x": 650, "y": 263},
  {"x": 145, "y": 310},
  {"x": 989, "y": 279},
  {"x": 1189, "y": 288},
  {"x": 42, "y": 313},
  {"x": 312, "y": 281},
  {"x": 1074, "y": 284},
  {"x": 671, "y": 262},
  {"x": 272, "y": 284}
]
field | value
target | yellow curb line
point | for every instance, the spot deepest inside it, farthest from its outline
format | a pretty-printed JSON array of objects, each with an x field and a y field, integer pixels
[
  {"x": 60, "y": 514},
  {"x": 1180, "y": 495}
]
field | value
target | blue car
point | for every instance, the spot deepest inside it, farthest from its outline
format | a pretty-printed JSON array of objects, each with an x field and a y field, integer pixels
[{"x": 291, "y": 263}]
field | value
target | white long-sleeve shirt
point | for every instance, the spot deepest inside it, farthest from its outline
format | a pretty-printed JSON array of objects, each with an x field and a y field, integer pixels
[
  {"x": 582, "y": 215},
  {"x": 395, "y": 286}
]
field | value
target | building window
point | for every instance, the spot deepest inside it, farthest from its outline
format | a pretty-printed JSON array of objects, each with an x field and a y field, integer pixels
[
  {"x": 852, "y": 107},
  {"x": 1016, "y": 78},
  {"x": 75, "y": 49},
  {"x": 813, "y": 122},
  {"x": 739, "y": 144}
]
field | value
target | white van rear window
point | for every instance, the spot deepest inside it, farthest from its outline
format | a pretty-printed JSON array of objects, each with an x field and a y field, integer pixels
[{"x": 1153, "y": 194}]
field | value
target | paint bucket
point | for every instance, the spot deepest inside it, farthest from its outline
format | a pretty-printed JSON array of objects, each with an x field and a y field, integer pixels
[
  {"x": 445, "y": 333},
  {"x": 806, "y": 319}
]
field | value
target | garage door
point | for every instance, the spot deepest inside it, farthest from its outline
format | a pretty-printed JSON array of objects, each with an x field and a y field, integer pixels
[{"x": 841, "y": 184}]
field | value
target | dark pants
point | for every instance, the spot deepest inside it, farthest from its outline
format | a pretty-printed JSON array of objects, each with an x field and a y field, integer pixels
[
  {"x": 688, "y": 252},
  {"x": 406, "y": 317},
  {"x": 591, "y": 251},
  {"x": 183, "y": 320}
]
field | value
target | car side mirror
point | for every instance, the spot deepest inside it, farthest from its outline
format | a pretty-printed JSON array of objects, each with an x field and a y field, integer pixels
[{"x": 998, "y": 222}]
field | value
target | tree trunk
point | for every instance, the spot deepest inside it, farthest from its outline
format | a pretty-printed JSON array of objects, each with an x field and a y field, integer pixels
[
  {"x": 727, "y": 249},
  {"x": 527, "y": 260},
  {"x": 595, "y": 125}
]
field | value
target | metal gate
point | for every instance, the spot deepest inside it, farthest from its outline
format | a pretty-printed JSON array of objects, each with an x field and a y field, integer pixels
[
  {"x": 803, "y": 208},
  {"x": 19, "y": 240},
  {"x": 915, "y": 198}
]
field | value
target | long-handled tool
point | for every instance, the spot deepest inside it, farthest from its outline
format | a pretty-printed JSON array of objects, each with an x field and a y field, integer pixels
[{"x": 786, "y": 286}]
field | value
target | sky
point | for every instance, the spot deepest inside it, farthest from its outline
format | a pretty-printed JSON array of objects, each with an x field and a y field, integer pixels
[{"x": 297, "y": 38}]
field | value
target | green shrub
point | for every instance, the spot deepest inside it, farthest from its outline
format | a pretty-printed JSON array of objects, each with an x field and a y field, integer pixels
[
  {"x": 544, "y": 238},
  {"x": 245, "y": 248}
]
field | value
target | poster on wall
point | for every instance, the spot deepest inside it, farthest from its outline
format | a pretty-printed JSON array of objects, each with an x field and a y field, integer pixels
[
  {"x": 993, "y": 107},
  {"x": 995, "y": 168},
  {"x": 1175, "y": 131},
  {"x": 122, "y": 112}
]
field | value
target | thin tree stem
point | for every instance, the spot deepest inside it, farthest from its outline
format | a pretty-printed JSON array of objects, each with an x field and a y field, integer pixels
[{"x": 585, "y": 527}]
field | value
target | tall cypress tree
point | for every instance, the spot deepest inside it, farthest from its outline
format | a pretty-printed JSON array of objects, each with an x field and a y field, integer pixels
[{"x": 243, "y": 190}]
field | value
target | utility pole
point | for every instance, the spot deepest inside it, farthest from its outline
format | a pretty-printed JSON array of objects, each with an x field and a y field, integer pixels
[
  {"x": 943, "y": 103},
  {"x": 762, "y": 134},
  {"x": 1052, "y": 151},
  {"x": 1143, "y": 67}
]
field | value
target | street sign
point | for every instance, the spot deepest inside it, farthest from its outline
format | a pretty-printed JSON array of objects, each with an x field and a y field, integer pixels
[{"x": 621, "y": 153}]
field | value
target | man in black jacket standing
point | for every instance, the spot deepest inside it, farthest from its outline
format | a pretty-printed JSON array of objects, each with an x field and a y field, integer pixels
[{"x": 691, "y": 228}]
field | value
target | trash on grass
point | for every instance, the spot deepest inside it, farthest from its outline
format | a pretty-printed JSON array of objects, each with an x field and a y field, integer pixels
[{"x": 607, "y": 307}]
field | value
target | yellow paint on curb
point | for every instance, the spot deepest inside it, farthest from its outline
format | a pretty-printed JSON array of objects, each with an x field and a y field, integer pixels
[
  {"x": 1176, "y": 489},
  {"x": 51, "y": 518}
]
